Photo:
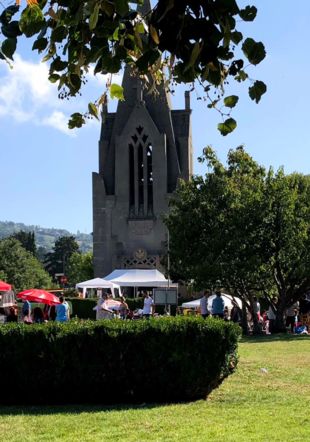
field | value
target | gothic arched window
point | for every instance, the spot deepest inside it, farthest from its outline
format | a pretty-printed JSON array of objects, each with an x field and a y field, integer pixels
[{"x": 140, "y": 175}]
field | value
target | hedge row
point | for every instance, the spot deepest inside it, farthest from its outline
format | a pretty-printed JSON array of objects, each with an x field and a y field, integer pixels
[
  {"x": 166, "y": 359},
  {"x": 83, "y": 308}
]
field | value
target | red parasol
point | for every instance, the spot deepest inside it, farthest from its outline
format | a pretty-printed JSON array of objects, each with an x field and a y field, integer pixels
[
  {"x": 4, "y": 286},
  {"x": 112, "y": 304},
  {"x": 39, "y": 295}
]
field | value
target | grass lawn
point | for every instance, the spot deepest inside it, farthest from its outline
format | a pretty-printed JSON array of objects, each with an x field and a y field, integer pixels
[{"x": 252, "y": 405}]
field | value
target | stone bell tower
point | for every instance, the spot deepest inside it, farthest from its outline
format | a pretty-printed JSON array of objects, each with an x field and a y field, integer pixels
[{"x": 143, "y": 149}]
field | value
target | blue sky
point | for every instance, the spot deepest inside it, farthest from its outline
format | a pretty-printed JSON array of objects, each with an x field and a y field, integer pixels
[{"x": 46, "y": 170}]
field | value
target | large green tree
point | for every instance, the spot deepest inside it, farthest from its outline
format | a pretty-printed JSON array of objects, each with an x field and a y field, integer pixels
[
  {"x": 27, "y": 240},
  {"x": 194, "y": 41},
  {"x": 80, "y": 267},
  {"x": 20, "y": 267},
  {"x": 56, "y": 261},
  {"x": 246, "y": 227}
]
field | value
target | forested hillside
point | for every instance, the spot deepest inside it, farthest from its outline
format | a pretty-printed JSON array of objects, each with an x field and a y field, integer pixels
[{"x": 46, "y": 237}]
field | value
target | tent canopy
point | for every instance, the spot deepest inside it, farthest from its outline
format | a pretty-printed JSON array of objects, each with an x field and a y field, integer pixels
[
  {"x": 228, "y": 302},
  {"x": 97, "y": 283},
  {"x": 4, "y": 286},
  {"x": 139, "y": 278}
]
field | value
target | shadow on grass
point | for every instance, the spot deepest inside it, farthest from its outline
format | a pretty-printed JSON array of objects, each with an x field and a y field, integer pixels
[
  {"x": 16, "y": 410},
  {"x": 270, "y": 338}
]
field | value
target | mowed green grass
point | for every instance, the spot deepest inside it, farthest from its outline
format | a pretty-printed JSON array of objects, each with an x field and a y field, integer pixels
[{"x": 251, "y": 405}]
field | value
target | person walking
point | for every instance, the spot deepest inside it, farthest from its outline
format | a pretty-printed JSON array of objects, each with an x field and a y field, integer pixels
[{"x": 204, "y": 311}]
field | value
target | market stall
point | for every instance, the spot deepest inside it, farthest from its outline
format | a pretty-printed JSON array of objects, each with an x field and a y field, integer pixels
[
  {"x": 99, "y": 284},
  {"x": 139, "y": 278}
]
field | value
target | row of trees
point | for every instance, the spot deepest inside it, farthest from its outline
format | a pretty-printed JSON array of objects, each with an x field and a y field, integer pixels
[
  {"x": 20, "y": 264},
  {"x": 247, "y": 227}
]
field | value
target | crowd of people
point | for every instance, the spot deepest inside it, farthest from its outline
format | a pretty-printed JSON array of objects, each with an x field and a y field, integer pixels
[
  {"x": 266, "y": 319},
  {"x": 38, "y": 315},
  {"x": 108, "y": 308}
]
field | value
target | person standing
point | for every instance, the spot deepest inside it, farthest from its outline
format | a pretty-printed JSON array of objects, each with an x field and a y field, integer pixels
[
  {"x": 148, "y": 306},
  {"x": 290, "y": 316},
  {"x": 218, "y": 305},
  {"x": 26, "y": 311},
  {"x": 123, "y": 308},
  {"x": 204, "y": 305},
  {"x": 62, "y": 310},
  {"x": 271, "y": 317}
]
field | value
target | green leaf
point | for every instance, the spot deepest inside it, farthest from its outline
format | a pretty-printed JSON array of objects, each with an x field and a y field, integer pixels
[
  {"x": 257, "y": 90},
  {"x": 53, "y": 78},
  {"x": 76, "y": 120},
  {"x": 194, "y": 55},
  {"x": 11, "y": 30},
  {"x": 40, "y": 44},
  {"x": 75, "y": 82},
  {"x": 121, "y": 7},
  {"x": 248, "y": 13},
  {"x": 58, "y": 65},
  {"x": 236, "y": 37},
  {"x": 8, "y": 13},
  {"x": 148, "y": 59},
  {"x": 139, "y": 27},
  {"x": 255, "y": 52},
  {"x": 31, "y": 21},
  {"x": 231, "y": 101},
  {"x": 154, "y": 34},
  {"x": 115, "y": 34},
  {"x": 242, "y": 76},
  {"x": 93, "y": 20},
  {"x": 92, "y": 109},
  {"x": 59, "y": 34},
  {"x": 8, "y": 47},
  {"x": 227, "y": 127},
  {"x": 117, "y": 91}
]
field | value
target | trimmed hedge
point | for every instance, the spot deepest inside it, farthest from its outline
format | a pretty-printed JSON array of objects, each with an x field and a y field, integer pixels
[
  {"x": 83, "y": 308},
  {"x": 160, "y": 360}
]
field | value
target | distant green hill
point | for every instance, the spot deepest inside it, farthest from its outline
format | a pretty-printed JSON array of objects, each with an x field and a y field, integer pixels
[{"x": 46, "y": 237}]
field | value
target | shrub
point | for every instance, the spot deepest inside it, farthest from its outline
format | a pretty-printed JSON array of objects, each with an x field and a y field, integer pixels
[
  {"x": 83, "y": 308},
  {"x": 168, "y": 359}
]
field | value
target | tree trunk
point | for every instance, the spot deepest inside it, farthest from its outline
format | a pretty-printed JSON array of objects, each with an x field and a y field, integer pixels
[{"x": 280, "y": 326}]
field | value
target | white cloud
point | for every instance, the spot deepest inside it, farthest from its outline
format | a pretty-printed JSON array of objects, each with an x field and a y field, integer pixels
[
  {"x": 26, "y": 95},
  {"x": 59, "y": 121},
  {"x": 24, "y": 90}
]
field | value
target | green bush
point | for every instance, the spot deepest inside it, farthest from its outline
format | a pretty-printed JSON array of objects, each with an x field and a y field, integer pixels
[
  {"x": 167, "y": 359},
  {"x": 83, "y": 308}
]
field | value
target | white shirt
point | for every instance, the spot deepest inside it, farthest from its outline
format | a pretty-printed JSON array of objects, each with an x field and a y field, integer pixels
[{"x": 147, "y": 306}]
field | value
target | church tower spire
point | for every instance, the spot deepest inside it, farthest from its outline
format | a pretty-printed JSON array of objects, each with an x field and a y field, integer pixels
[{"x": 144, "y": 148}]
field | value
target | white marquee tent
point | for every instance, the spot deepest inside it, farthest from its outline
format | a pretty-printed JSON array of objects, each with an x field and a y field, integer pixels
[
  {"x": 228, "y": 302},
  {"x": 139, "y": 278},
  {"x": 98, "y": 283}
]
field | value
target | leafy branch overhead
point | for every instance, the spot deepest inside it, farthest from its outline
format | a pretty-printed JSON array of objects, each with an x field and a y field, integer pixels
[{"x": 192, "y": 41}]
